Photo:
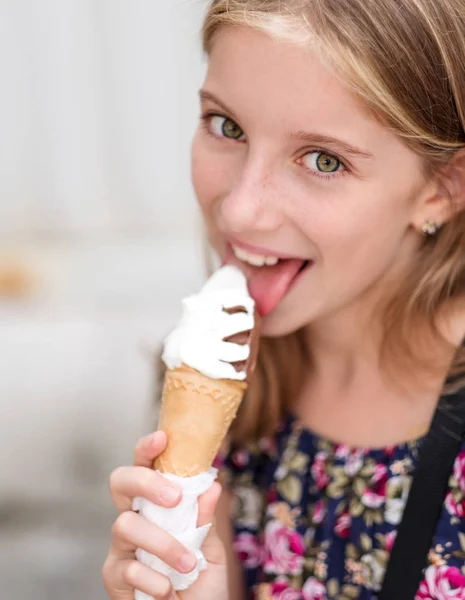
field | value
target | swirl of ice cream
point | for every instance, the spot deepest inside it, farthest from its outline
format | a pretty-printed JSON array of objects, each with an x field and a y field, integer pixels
[{"x": 221, "y": 310}]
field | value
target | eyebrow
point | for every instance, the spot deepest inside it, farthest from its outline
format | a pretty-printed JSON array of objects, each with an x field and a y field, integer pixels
[
  {"x": 301, "y": 136},
  {"x": 323, "y": 140},
  {"x": 205, "y": 95}
]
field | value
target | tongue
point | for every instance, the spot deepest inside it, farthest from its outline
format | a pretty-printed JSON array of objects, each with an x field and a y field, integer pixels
[{"x": 269, "y": 285}]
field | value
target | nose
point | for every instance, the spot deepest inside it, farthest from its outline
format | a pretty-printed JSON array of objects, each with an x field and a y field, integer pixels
[{"x": 253, "y": 202}]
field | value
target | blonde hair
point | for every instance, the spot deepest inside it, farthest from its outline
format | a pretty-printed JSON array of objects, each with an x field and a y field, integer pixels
[{"x": 406, "y": 60}]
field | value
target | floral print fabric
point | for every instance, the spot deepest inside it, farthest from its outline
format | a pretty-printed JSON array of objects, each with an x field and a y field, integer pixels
[{"x": 315, "y": 520}]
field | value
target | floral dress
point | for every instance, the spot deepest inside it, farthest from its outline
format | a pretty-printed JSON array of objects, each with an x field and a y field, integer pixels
[{"x": 315, "y": 520}]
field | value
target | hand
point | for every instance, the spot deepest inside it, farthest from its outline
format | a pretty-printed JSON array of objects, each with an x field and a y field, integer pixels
[{"x": 122, "y": 573}]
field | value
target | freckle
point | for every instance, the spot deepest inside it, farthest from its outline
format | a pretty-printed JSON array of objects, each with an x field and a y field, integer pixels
[{"x": 266, "y": 180}]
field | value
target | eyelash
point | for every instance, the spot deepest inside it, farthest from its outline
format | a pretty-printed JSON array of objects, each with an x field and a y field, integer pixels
[{"x": 205, "y": 119}]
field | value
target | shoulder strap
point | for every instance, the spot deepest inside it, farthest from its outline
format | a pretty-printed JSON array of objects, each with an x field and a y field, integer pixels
[{"x": 424, "y": 505}]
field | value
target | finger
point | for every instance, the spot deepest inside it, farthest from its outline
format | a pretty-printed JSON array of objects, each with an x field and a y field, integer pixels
[
  {"x": 212, "y": 547},
  {"x": 207, "y": 504},
  {"x": 128, "y": 482},
  {"x": 121, "y": 576},
  {"x": 132, "y": 531},
  {"x": 148, "y": 448},
  {"x": 149, "y": 581}
]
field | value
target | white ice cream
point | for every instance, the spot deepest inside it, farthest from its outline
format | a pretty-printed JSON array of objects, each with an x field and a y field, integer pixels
[{"x": 198, "y": 339}]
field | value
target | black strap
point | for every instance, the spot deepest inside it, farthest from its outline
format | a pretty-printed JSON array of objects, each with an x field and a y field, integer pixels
[{"x": 429, "y": 487}]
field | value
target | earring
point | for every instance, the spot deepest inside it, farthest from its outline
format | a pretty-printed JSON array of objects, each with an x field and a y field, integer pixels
[{"x": 430, "y": 228}]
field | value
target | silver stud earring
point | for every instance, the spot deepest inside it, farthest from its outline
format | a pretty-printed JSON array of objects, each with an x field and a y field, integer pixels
[{"x": 430, "y": 228}]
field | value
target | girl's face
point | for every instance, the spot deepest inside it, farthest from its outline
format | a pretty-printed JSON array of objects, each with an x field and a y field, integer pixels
[{"x": 294, "y": 176}]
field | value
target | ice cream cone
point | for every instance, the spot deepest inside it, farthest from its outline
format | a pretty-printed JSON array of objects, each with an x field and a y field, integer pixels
[
  {"x": 196, "y": 414},
  {"x": 210, "y": 358}
]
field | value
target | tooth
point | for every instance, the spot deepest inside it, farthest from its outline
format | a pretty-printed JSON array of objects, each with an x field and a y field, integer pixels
[
  {"x": 256, "y": 260},
  {"x": 271, "y": 260},
  {"x": 240, "y": 254}
]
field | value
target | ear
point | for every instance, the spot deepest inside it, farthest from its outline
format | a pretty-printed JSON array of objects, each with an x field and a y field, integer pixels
[{"x": 444, "y": 196}]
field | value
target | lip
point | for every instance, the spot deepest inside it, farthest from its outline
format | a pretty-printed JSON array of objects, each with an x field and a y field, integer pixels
[
  {"x": 309, "y": 264},
  {"x": 261, "y": 250}
]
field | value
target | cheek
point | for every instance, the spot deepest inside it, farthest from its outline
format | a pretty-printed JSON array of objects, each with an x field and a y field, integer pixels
[
  {"x": 199, "y": 175},
  {"x": 357, "y": 226},
  {"x": 207, "y": 172},
  {"x": 207, "y": 183}
]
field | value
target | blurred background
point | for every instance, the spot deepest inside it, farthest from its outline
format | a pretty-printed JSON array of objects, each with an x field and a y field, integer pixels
[{"x": 99, "y": 240}]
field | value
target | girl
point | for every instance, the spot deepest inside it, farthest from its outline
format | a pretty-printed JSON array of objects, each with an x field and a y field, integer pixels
[{"x": 329, "y": 165}]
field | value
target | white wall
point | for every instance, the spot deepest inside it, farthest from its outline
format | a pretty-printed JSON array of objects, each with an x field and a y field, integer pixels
[
  {"x": 97, "y": 218},
  {"x": 97, "y": 108}
]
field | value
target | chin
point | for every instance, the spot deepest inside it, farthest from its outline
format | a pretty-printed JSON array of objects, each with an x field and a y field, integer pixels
[{"x": 279, "y": 325}]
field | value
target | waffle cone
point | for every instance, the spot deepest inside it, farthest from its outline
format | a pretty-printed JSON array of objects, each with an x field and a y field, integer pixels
[{"x": 196, "y": 414}]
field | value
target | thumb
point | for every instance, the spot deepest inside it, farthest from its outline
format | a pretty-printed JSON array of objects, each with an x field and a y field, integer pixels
[{"x": 212, "y": 546}]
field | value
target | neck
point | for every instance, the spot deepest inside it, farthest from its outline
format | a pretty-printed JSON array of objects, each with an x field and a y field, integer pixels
[
  {"x": 346, "y": 396},
  {"x": 343, "y": 344}
]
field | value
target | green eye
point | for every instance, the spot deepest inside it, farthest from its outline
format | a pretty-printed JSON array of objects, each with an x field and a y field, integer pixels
[
  {"x": 231, "y": 129},
  {"x": 225, "y": 128},
  {"x": 318, "y": 161},
  {"x": 327, "y": 163}
]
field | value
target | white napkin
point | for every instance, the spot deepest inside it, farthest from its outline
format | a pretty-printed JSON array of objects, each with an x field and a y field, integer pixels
[{"x": 181, "y": 522}]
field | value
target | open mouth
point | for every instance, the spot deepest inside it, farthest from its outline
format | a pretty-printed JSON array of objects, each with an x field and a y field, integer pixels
[
  {"x": 303, "y": 267},
  {"x": 269, "y": 278}
]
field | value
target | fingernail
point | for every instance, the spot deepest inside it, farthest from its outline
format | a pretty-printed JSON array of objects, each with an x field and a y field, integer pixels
[
  {"x": 147, "y": 441},
  {"x": 169, "y": 494},
  {"x": 187, "y": 562},
  {"x": 153, "y": 437}
]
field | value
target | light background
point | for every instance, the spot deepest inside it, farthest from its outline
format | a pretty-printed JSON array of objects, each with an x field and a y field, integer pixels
[{"x": 99, "y": 240}]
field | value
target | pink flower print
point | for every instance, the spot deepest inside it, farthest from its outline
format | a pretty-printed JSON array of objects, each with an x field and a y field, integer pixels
[
  {"x": 218, "y": 461},
  {"x": 284, "y": 549},
  {"x": 389, "y": 451},
  {"x": 442, "y": 583},
  {"x": 352, "y": 457},
  {"x": 381, "y": 474},
  {"x": 390, "y": 539},
  {"x": 455, "y": 500},
  {"x": 272, "y": 495},
  {"x": 313, "y": 590},
  {"x": 459, "y": 471},
  {"x": 456, "y": 509},
  {"x": 319, "y": 473},
  {"x": 319, "y": 513},
  {"x": 342, "y": 451},
  {"x": 371, "y": 499},
  {"x": 342, "y": 527},
  {"x": 281, "y": 590},
  {"x": 268, "y": 444},
  {"x": 240, "y": 458},
  {"x": 249, "y": 550},
  {"x": 354, "y": 462},
  {"x": 375, "y": 496}
]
